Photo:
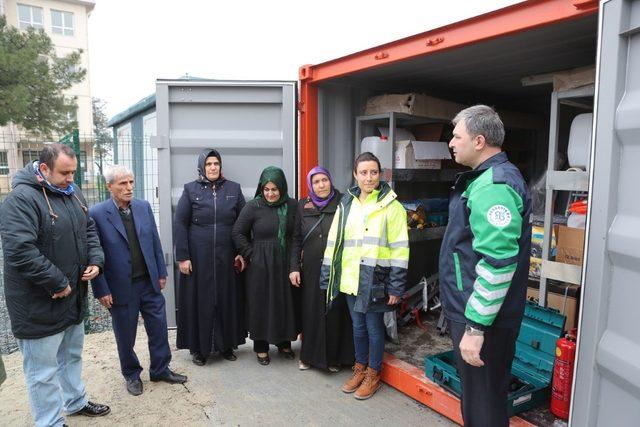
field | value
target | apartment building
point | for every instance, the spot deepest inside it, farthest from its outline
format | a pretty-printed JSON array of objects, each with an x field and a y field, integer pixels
[{"x": 65, "y": 22}]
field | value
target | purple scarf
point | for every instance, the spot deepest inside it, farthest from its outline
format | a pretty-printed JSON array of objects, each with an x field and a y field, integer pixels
[{"x": 317, "y": 201}]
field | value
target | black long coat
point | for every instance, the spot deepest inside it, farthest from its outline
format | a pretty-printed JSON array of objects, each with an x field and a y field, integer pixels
[
  {"x": 327, "y": 339},
  {"x": 269, "y": 297},
  {"x": 210, "y": 307}
]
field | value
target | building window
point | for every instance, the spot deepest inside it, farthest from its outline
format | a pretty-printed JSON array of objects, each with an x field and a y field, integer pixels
[
  {"x": 4, "y": 163},
  {"x": 62, "y": 22},
  {"x": 72, "y": 116},
  {"x": 29, "y": 156},
  {"x": 29, "y": 16}
]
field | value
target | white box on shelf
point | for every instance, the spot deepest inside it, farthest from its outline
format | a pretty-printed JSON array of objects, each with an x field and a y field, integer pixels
[{"x": 420, "y": 154}]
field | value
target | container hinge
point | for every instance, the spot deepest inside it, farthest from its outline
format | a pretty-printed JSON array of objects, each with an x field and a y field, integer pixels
[
  {"x": 301, "y": 106},
  {"x": 305, "y": 72},
  {"x": 585, "y": 4},
  {"x": 381, "y": 55},
  {"x": 434, "y": 41}
]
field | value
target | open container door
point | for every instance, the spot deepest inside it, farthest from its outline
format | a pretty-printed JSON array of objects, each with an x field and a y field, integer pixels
[
  {"x": 607, "y": 380},
  {"x": 252, "y": 125}
]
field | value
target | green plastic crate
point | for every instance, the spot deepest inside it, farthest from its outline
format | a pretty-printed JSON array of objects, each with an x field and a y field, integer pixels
[{"x": 532, "y": 367}]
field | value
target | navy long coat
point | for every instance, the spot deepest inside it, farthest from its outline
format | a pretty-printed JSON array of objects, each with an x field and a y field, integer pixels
[{"x": 210, "y": 301}]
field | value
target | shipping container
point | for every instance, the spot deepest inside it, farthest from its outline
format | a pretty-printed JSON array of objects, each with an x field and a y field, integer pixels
[{"x": 529, "y": 61}]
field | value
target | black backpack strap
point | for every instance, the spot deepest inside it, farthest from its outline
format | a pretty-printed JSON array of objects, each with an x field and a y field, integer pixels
[{"x": 313, "y": 228}]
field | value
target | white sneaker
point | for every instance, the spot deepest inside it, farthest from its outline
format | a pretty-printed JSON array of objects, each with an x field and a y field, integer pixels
[{"x": 303, "y": 366}]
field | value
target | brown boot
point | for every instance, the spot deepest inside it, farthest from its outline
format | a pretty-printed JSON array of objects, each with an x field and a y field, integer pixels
[
  {"x": 356, "y": 379},
  {"x": 369, "y": 386}
]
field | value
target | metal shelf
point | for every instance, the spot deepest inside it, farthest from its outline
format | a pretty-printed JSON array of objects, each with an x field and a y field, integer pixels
[
  {"x": 400, "y": 118},
  {"x": 430, "y": 233},
  {"x": 567, "y": 180},
  {"x": 560, "y": 271},
  {"x": 425, "y": 175},
  {"x": 560, "y": 181}
]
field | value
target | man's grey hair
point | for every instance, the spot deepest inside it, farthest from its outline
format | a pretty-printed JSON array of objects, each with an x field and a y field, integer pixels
[
  {"x": 111, "y": 172},
  {"x": 482, "y": 120}
]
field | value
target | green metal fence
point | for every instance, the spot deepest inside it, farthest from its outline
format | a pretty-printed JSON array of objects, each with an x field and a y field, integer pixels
[{"x": 18, "y": 150}]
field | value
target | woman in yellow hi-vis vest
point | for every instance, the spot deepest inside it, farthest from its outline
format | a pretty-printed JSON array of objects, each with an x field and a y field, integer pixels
[{"x": 366, "y": 258}]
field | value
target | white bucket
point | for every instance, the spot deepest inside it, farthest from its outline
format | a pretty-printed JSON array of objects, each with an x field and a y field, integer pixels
[
  {"x": 579, "y": 149},
  {"x": 379, "y": 146}
]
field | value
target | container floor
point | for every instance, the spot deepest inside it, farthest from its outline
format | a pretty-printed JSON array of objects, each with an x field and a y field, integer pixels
[{"x": 415, "y": 343}]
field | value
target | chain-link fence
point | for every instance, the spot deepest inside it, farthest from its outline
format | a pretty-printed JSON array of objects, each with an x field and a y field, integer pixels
[{"x": 94, "y": 154}]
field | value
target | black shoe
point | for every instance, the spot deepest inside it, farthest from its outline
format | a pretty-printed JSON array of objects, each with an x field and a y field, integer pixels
[
  {"x": 263, "y": 360},
  {"x": 134, "y": 387},
  {"x": 171, "y": 378},
  {"x": 93, "y": 410},
  {"x": 229, "y": 355},
  {"x": 198, "y": 359},
  {"x": 287, "y": 353}
]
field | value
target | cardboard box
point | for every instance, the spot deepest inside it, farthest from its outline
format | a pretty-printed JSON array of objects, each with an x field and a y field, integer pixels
[
  {"x": 570, "y": 247},
  {"x": 567, "y": 305},
  {"x": 427, "y": 132},
  {"x": 421, "y": 105},
  {"x": 413, "y": 103},
  {"x": 578, "y": 77},
  {"x": 420, "y": 154}
]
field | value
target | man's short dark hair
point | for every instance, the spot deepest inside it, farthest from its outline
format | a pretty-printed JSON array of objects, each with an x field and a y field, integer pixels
[
  {"x": 50, "y": 153},
  {"x": 482, "y": 120},
  {"x": 366, "y": 157}
]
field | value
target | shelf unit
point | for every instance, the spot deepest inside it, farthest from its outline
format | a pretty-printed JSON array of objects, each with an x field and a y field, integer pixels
[
  {"x": 560, "y": 181},
  {"x": 393, "y": 120}
]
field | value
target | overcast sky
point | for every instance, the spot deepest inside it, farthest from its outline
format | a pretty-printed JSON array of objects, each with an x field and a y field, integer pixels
[{"x": 134, "y": 42}]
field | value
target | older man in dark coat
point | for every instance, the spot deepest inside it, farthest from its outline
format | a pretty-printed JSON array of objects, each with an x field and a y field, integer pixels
[{"x": 133, "y": 279}]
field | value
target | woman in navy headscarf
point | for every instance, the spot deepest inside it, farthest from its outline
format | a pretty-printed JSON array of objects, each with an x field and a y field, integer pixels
[
  {"x": 210, "y": 309},
  {"x": 327, "y": 337}
]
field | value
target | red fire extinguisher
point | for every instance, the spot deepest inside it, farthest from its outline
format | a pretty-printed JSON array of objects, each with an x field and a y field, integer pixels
[{"x": 563, "y": 375}]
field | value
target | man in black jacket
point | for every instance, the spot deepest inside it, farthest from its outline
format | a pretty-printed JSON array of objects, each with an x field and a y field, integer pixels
[{"x": 51, "y": 250}]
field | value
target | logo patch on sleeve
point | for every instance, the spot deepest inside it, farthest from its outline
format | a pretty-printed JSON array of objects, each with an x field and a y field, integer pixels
[{"x": 499, "y": 215}]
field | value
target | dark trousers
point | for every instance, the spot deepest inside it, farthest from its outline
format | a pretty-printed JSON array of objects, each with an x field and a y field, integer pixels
[
  {"x": 368, "y": 336},
  {"x": 485, "y": 389},
  {"x": 144, "y": 300},
  {"x": 260, "y": 346}
]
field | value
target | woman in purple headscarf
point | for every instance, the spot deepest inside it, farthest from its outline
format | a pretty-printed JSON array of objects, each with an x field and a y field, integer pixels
[{"x": 327, "y": 338}]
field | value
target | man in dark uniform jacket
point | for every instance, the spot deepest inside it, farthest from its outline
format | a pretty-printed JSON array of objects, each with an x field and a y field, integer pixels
[
  {"x": 484, "y": 264},
  {"x": 133, "y": 279}
]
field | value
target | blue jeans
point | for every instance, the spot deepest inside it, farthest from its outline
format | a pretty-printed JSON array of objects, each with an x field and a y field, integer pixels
[
  {"x": 368, "y": 336},
  {"x": 52, "y": 369}
]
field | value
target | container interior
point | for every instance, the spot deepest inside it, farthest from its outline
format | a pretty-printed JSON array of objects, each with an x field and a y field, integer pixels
[{"x": 488, "y": 72}]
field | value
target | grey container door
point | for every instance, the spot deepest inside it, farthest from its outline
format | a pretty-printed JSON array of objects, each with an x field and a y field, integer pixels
[
  {"x": 252, "y": 124},
  {"x": 607, "y": 380}
]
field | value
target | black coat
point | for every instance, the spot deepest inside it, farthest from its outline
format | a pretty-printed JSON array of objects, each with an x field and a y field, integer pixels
[
  {"x": 327, "y": 339},
  {"x": 43, "y": 254},
  {"x": 269, "y": 297},
  {"x": 210, "y": 308}
]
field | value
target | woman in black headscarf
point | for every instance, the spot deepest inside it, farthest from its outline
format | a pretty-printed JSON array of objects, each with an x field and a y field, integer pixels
[
  {"x": 262, "y": 234},
  {"x": 327, "y": 337},
  {"x": 210, "y": 310}
]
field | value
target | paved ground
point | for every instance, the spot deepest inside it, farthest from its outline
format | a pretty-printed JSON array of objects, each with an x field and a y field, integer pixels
[{"x": 221, "y": 393}]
